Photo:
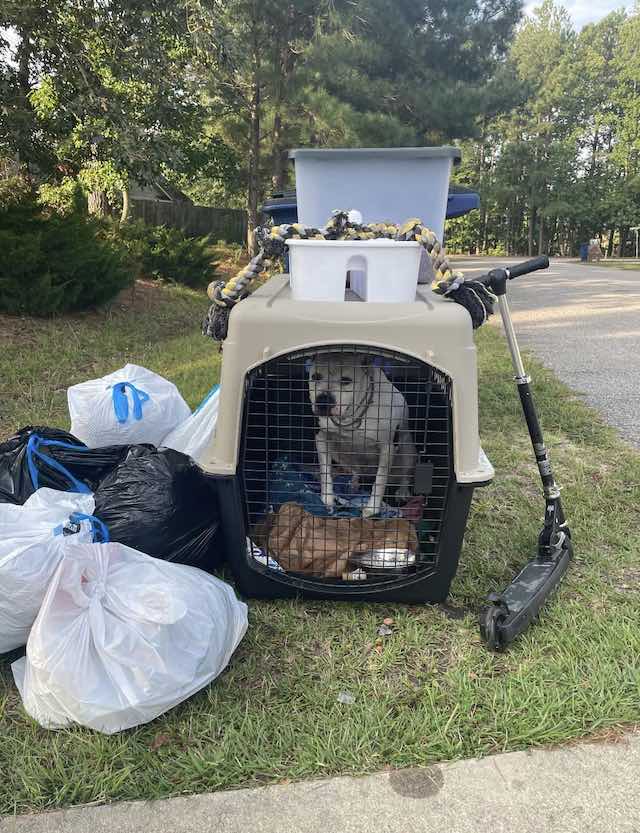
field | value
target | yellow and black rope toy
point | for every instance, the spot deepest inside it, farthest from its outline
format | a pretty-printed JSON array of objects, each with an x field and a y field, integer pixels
[{"x": 472, "y": 295}]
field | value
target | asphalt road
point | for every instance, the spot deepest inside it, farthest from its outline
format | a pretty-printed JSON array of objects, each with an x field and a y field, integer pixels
[{"x": 582, "y": 321}]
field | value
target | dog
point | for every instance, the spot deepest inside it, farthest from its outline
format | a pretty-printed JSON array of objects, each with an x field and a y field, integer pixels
[{"x": 363, "y": 427}]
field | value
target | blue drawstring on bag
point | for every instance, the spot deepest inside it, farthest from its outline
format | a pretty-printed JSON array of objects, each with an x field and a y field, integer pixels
[
  {"x": 121, "y": 401},
  {"x": 98, "y": 527},
  {"x": 213, "y": 390},
  {"x": 34, "y": 444}
]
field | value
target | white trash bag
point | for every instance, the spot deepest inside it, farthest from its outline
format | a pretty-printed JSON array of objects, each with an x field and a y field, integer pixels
[
  {"x": 131, "y": 405},
  {"x": 193, "y": 436},
  {"x": 31, "y": 547},
  {"x": 122, "y": 637}
]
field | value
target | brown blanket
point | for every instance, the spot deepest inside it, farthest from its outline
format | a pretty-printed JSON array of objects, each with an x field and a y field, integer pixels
[{"x": 321, "y": 546}]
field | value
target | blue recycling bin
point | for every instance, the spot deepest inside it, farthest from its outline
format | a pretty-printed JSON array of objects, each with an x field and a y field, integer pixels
[
  {"x": 584, "y": 251},
  {"x": 461, "y": 201},
  {"x": 283, "y": 208}
]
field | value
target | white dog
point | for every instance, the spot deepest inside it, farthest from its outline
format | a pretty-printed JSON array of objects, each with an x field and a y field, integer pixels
[{"x": 363, "y": 421}]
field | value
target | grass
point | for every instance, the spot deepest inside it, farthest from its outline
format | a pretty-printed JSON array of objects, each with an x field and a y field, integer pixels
[
  {"x": 229, "y": 258},
  {"x": 155, "y": 326},
  {"x": 617, "y": 264},
  {"x": 428, "y": 692}
]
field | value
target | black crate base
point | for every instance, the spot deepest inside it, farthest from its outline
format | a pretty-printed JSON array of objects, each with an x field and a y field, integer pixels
[{"x": 253, "y": 580}]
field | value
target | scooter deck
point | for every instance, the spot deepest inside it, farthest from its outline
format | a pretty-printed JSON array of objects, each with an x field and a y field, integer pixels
[{"x": 512, "y": 611}]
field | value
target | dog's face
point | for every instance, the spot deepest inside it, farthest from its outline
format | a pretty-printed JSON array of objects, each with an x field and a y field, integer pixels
[{"x": 336, "y": 380}]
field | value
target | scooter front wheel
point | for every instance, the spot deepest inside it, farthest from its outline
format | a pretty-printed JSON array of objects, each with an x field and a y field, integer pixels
[{"x": 490, "y": 620}]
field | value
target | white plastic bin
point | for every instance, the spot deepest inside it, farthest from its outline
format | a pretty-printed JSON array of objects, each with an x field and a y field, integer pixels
[
  {"x": 381, "y": 270},
  {"x": 391, "y": 184}
]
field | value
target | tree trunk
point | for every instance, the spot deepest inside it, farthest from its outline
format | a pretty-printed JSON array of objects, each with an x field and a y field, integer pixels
[
  {"x": 98, "y": 203},
  {"x": 516, "y": 231},
  {"x": 541, "y": 235},
  {"x": 594, "y": 151},
  {"x": 253, "y": 186},
  {"x": 286, "y": 65},
  {"x": 124, "y": 216},
  {"x": 610, "y": 243},
  {"x": 24, "y": 62},
  {"x": 624, "y": 230},
  {"x": 277, "y": 172},
  {"x": 484, "y": 231},
  {"x": 23, "y": 77},
  {"x": 507, "y": 231},
  {"x": 253, "y": 190},
  {"x": 574, "y": 242},
  {"x": 482, "y": 242},
  {"x": 532, "y": 224},
  {"x": 554, "y": 238},
  {"x": 278, "y": 177}
]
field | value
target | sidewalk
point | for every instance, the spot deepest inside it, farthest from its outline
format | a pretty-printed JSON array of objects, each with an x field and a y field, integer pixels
[{"x": 582, "y": 788}]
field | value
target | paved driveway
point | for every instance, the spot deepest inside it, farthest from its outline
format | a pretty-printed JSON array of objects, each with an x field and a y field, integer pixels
[{"x": 584, "y": 323}]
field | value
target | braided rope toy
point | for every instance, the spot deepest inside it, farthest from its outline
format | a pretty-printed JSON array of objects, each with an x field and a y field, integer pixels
[{"x": 343, "y": 225}]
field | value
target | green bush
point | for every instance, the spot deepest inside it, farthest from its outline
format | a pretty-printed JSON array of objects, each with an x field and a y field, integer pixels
[
  {"x": 13, "y": 190},
  {"x": 167, "y": 254},
  {"x": 66, "y": 197},
  {"x": 133, "y": 239},
  {"x": 50, "y": 263}
]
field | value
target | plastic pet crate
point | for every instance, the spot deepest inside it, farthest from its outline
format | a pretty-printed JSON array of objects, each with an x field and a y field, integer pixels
[{"x": 346, "y": 449}]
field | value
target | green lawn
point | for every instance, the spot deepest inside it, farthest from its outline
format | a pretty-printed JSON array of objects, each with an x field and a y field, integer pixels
[{"x": 428, "y": 692}]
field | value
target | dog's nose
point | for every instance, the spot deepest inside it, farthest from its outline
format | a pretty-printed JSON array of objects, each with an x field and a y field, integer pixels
[{"x": 324, "y": 402}]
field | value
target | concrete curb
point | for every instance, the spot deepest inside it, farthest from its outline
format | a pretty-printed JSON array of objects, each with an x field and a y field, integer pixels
[{"x": 582, "y": 788}]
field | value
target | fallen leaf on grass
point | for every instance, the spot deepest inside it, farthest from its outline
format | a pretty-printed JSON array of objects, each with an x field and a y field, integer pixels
[{"x": 158, "y": 741}]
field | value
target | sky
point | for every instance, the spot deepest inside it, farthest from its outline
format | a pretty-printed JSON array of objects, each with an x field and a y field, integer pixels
[{"x": 586, "y": 11}]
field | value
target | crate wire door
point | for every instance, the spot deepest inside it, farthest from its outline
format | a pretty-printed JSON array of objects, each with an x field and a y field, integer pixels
[{"x": 281, "y": 474}]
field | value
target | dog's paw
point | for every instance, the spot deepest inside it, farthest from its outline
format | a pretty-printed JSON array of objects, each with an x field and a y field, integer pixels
[
  {"x": 329, "y": 501},
  {"x": 370, "y": 510}
]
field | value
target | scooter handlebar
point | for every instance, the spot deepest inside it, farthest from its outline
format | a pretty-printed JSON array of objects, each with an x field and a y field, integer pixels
[
  {"x": 496, "y": 279},
  {"x": 527, "y": 266}
]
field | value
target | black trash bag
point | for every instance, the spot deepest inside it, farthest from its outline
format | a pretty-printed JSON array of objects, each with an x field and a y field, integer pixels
[
  {"x": 38, "y": 456},
  {"x": 92, "y": 465},
  {"x": 163, "y": 504}
]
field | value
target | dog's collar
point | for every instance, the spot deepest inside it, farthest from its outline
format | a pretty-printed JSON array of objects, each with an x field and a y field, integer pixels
[{"x": 359, "y": 411}]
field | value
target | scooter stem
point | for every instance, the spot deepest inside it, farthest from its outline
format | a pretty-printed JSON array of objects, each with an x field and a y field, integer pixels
[
  {"x": 522, "y": 380},
  {"x": 507, "y": 323}
]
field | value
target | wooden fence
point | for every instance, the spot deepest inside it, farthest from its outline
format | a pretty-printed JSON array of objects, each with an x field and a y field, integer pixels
[{"x": 229, "y": 224}]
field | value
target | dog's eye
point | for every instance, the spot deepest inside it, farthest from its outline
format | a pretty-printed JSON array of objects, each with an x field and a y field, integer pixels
[
  {"x": 316, "y": 377},
  {"x": 346, "y": 380}
]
